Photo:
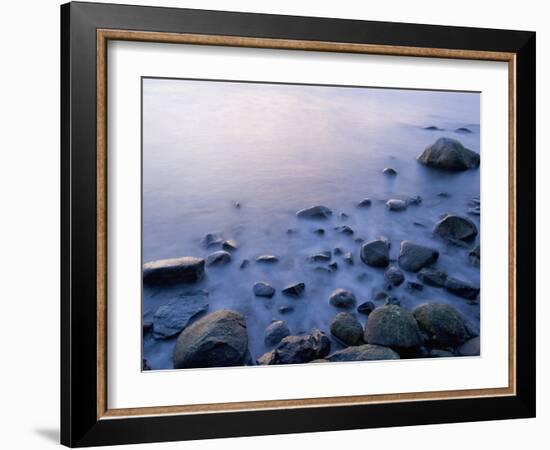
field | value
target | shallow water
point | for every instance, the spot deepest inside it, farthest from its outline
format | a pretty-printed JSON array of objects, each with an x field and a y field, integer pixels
[{"x": 276, "y": 149}]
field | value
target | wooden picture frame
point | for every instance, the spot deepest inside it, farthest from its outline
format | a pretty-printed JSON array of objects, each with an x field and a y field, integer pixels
[{"x": 85, "y": 416}]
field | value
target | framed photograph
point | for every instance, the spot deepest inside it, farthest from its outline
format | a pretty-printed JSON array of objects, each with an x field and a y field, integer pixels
[{"x": 276, "y": 224}]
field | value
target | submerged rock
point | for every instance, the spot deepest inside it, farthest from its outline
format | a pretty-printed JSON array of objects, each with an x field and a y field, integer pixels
[
  {"x": 442, "y": 324},
  {"x": 217, "y": 340},
  {"x": 392, "y": 301},
  {"x": 244, "y": 263},
  {"x": 186, "y": 269},
  {"x": 333, "y": 266},
  {"x": 267, "y": 259},
  {"x": 463, "y": 130},
  {"x": 211, "y": 240},
  {"x": 320, "y": 257},
  {"x": 376, "y": 253},
  {"x": 275, "y": 332},
  {"x": 342, "y": 298},
  {"x": 344, "y": 229},
  {"x": 470, "y": 347},
  {"x": 475, "y": 255},
  {"x": 348, "y": 258},
  {"x": 347, "y": 329},
  {"x": 173, "y": 317},
  {"x": 414, "y": 286},
  {"x": 366, "y": 308},
  {"x": 461, "y": 288},
  {"x": 315, "y": 212},
  {"x": 337, "y": 251},
  {"x": 389, "y": 171},
  {"x": 392, "y": 326},
  {"x": 229, "y": 245},
  {"x": 394, "y": 276},
  {"x": 432, "y": 277},
  {"x": 455, "y": 228},
  {"x": 395, "y": 204},
  {"x": 263, "y": 289},
  {"x": 286, "y": 309},
  {"x": 218, "y": 258},
  {"x": 364, "y": 203},
  {"x": 449, "y": 154},
  {"x": 367, "y": 352},
  {"x": 294, "y": 289},
  {"x": 319, "y": 231},
  {"x": 413, "y": 257},
  {"x": 298, "y": 349},
  {"x": 432, "y": 128}
]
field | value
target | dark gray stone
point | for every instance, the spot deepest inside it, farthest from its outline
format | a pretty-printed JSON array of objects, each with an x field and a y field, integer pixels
[
  {"x": 414, "y": 286},
  {"x": 298, "y": 349},
  {"x": 364, "y": 203},
  {"x": 366, "y": 308},
  {"x": 394, "y": 276},
  {"x": 413, "y": 257},
  {"x": 244, "y": 263},
  {"x": 438, "y": 353},
  {"x": 187, "y": 269},
  {"x": 395, "y": 204},
  {"x": 342, "y": 298},
  {"x": 348, "y": 258},
  {"x": 337, "y": 251},
  {"x": 333, "y": 266},
  {"x": 172, "y": 318},
  {"x": 217, "y": 340},
  {"x": 319, "y": 231},
  {"x": 267, "y": 259},
  {"x": 449, "y": 154},
  {"x": 367, "y": 352},
  {"x": 263, "y": 289},
  {"x": 392, "y": 326},
  {"x": 461, "y": 288},
  {"x": 218, "y": 258},
  {"x": 275, "y": 332},
  {"x": 432, "y": 277},
  {"x": 455, "y": 228},
  {"x": 470, "y": 347},
  {"x": 347, "y": 329},
  {"x": 375, "y": 253},
  {"x": 320, "y": 257},
  {"x": 286, "y": 309},
  {"x": 294, "y": 289},
  {"x": 229, "y": 245},
  {"x": 442, "y": 324},
  {"x": 389, "y": 171},
  {"x": 315, "y": 212},
  {"x": 344, "y": 229},
  {"x": 463, "y": 130},
  {"x": 211, "y": 240},
  {"x": 432, "y": 128},
  {"x": 475, "y": 255}
]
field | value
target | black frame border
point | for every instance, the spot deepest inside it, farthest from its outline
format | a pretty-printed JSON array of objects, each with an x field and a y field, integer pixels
[{"x": 79, "y": 423}]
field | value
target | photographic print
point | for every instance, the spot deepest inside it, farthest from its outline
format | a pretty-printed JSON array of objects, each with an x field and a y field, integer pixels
[{"x": 298, "y": 224}]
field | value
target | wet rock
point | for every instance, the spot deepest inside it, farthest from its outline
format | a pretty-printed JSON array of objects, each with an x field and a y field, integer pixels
[
  {"x": 364, "y": 203},
  {"x": 324, "y": 270},
  {"x": 186, "y": 269},
  {"x": 218, "y": 258},
  {"x": 432, "y": 277},
  {"x": 442, "y": 324},
  {"x": 420, "y": 225},
  {"x": 416, "y": 200},
  {"x": 338, "y": 251},
  {"x": 455, "y": 228},
  {"x": 375, "y": 253},
  {"x": 413, "y": 257},
  {"x": 236, "y": 205},
  {"x": 286, "y": 309},
  {"x": 444, "y": 194},
  {"x": 217, "y": 340},
  {"x": 244, "y": 263},
  {"x": 366, "y": 308},
  {"x": 319, "y": 231},
  {"x": 395, "y": 204},
  {"x": 344, "y": 229},
  {"x": 333, "y": 266},
  {"x": 229, "y": 245},
  {"x": 475, "y": 256},
  {"x": 359, "y": 240},
  {"x": 432, "y": 128},
  {"x": 394, "y": 276},
  {"x": 449, "y": 154},
  {"x": 461, "y": 288},
  {"x": 463, "y": 130},
  {"x": 414, "y": 286},
  {"x": 146, "y": 325},
  {"x": 392, "y": 301},
  {"x": 470, "y": 348},
  {"x": 367, "y": 352},
  {"x": 298, "y": 349},
  {"x": 342, "y": 298},
  {"x": 389, "y": 171},
  {"x": 392, "y": 326},
  {"x": 267, "y": 259},
  {"x": 315, "y": 212},
  {"x": 275, "y": 332},
  {"x": 348, "y": 258},
  {"x": 343, "y": 216},
  {"x": 320, "y": 257},
  {"x": 291, "y": 231},
  {"x": 294, "y": 289},
  {"x": 263, "y": 289},
  {"x": 380, "y": 296},
  {"x": 347, "y": 329},
  {"x": 173, "y": 317},
  {"x": 211, "y": 240},
  {"x": 438, "y": 353}
]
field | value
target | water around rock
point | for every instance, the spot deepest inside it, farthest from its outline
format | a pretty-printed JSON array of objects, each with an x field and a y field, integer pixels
[
  {"x": 176, "y": 270},
  {"x": 413, "y": 257},
  {"x": 449, "y": 154}
]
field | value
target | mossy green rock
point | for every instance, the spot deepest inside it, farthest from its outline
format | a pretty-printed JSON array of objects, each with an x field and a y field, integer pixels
[
  {"x": 442, "y": 323},
  {"x": 392, "y": 326}
]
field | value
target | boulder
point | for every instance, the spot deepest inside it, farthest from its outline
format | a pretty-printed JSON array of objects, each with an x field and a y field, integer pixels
[
  {"x": 456, "y": 229},
  {"x": 218, "y": 339},
  {"x": 375, "y": 253},
  {"x": 366, "y": 308},
  {"x": 470, "y": 347},
  {"x": 229, "y": 245},
  {"x": 461, "y": 288},
  {"x": 347, "y": 329},
  {"x": 432, "y": 277},
  {"x": 267, "y": 259},
  {"x": 344, "y": 229},
  {"x": 275, "y": 332},
  {"x": 315, "y": 212},
  {"x": 394, "y": 276},
  {"x": 413, "y": 257},
  {"x": 186, "y": 269},
  {"x": 342, "y": 298},
  {"x": 172, "y": 318},
  {"x": 449, "y": 154},
  {"x": 392, "y": 326},
  {"x": 298, "y": 349},
  {"x": 395, "y": 204},
  {"x": 211, "y": 240},
  {"x": 442, "y": 324},
  {"x": 263, "y": 289},
  {"x": 367, "y": 352},
  {"x": 294, "y": 289},
  {"x": 218, "y": 258}
]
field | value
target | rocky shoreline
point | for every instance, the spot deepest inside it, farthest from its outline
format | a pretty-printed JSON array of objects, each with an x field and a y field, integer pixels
[{"x": 432, "y": 329}]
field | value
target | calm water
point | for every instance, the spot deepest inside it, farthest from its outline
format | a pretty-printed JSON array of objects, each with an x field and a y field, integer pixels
[{"x": 276, "y": 149}]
